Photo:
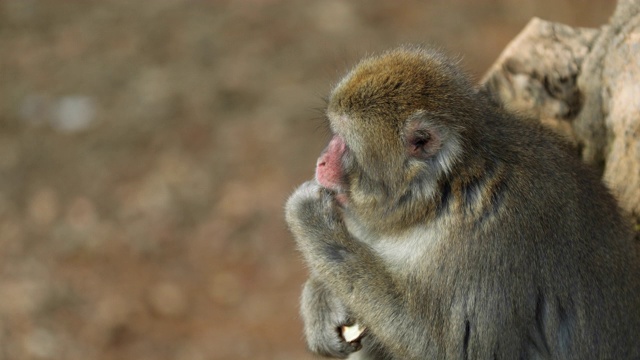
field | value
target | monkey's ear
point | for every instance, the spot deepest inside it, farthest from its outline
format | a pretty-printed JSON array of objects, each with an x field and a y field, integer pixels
[{"x": 422, "y": 138}]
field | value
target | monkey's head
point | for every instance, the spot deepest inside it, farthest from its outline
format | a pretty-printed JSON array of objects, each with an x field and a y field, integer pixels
[{"x": 399, "y": 122}]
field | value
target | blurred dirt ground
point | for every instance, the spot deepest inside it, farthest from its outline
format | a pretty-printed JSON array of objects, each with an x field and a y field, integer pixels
[{"x": 147, "y": 148}]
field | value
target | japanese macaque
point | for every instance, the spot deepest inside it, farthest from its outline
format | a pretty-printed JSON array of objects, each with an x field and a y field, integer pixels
[{"x": 447, "y": 229}]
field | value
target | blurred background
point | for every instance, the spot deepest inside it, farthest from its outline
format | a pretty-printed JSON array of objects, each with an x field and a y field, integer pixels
[{"x": 147, "y": 148}]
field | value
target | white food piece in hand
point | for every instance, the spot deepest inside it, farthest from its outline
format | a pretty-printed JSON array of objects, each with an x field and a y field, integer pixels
[{"x": 352, "y": 333}]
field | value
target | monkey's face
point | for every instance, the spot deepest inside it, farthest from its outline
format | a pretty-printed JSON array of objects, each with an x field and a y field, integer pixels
[{"x": 396, "y": 132}]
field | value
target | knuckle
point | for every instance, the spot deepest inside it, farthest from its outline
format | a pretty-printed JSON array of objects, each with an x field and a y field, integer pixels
[{"x": 309, "y": 189}]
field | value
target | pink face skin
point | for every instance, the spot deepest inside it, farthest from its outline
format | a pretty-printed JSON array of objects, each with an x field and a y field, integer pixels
[{"x": 329, "y": 168}]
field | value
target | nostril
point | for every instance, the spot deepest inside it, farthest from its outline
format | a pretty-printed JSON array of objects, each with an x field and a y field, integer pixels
[{"x": 322, "y": 163}]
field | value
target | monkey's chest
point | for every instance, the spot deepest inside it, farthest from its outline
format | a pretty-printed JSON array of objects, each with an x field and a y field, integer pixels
[{"x": 416, "y": 248}]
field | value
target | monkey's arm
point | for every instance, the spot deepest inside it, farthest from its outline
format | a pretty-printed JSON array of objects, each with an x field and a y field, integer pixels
[
  {"x": 353, "y": 272},
  {"x": 324, "y": 315}
]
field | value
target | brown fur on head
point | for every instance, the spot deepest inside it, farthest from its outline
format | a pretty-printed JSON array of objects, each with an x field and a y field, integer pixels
[{"x": 389, "y": 111}]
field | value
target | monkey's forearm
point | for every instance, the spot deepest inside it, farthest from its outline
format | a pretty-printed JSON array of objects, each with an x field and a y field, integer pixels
[{"x": 350, "y": 270}]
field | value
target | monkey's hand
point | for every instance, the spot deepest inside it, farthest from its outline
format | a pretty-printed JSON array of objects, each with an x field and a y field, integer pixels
[
  {"x": 324, "y": 316},
  {"x": 351, "y": 271},
  {"x": 316, "y": 222}
]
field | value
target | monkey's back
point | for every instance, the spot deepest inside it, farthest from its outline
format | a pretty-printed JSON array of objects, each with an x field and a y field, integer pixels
[{"x": 549, "y": 254}]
